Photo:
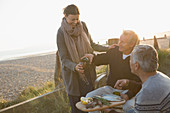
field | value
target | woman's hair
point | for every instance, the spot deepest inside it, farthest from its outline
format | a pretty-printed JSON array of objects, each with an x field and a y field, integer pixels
[
  {"x": 146, "y": 56},
  {"x": 71, "y": 9}
]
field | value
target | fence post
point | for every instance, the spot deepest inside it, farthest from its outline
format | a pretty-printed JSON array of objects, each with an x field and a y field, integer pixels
[
  {"x": 156, "y": 46},
  {"x": 57, "y": 72}
]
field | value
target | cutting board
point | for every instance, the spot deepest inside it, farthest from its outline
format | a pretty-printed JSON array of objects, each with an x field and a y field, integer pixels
[{"x": 82, "y": 107}]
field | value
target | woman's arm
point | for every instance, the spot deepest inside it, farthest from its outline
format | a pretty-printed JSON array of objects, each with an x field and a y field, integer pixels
[{"x": 63, "y": 52}]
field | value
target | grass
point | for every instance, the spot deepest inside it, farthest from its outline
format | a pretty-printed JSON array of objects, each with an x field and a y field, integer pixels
[
  {"x": 101, "y": 69},
  {"x": 59, "y": 102},
  {"x": 164, "y": 61},
  {"x": 28, "y": 93}
]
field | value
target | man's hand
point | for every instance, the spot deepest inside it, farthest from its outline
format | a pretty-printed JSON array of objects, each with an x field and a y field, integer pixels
[
  {"x": 124, "y": 96},
  {"x": 121, "y": 83},
  {"x": 90, "y": 56}
]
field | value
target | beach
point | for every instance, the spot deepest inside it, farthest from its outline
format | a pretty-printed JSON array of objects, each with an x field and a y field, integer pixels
[{"x": 18, "y": 73}]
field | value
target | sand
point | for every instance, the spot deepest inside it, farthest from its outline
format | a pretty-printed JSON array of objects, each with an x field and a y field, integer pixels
[{"x": 17, "y": 74}]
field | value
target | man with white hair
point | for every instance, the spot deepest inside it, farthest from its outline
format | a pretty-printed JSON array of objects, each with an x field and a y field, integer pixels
[
  {"x": 154, "y": 97},
  {"x": 118, "y": 60}
]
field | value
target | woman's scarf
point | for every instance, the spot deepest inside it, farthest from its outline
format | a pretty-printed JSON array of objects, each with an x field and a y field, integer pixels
[{"x": 76, "y": 40}]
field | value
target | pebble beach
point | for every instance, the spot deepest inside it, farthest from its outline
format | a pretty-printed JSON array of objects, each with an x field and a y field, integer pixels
[{"x": 17, "y": 74}]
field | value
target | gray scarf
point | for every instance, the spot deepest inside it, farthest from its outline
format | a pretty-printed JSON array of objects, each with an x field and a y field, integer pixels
[{"x": 76, "y": 41}]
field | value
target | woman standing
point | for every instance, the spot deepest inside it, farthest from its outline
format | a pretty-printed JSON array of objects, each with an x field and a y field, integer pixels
[{"x": 74, "y": 41}]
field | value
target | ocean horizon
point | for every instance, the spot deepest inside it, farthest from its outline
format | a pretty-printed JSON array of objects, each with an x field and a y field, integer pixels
[
  {"x": 25, "y": 52},
  {"x": 19, "y": 52}
]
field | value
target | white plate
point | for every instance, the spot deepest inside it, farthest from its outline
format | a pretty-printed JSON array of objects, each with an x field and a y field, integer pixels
[{"x": 112, "y": 97}]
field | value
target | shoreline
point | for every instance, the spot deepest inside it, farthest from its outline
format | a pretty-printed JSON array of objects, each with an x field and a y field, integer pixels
[{"x": 27, "y": 55}]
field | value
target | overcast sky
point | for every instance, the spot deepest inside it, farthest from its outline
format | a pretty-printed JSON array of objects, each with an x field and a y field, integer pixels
[{"x": 34, "y": 23}]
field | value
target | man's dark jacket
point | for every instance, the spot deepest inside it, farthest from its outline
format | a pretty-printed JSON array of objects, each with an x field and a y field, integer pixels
[{"x": 119, "y": 68}]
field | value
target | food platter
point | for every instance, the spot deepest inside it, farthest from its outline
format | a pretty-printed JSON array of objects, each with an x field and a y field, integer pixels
[
  {"x": 112, "y": 101},
  {"x": 82, "y": 107}
]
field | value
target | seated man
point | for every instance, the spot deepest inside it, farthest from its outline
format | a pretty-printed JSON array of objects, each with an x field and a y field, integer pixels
[
  {"x": 118, "y": 60},
  {"x": 154, "y": 97}
]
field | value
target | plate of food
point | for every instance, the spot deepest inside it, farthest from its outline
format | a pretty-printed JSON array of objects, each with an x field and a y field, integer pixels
[
  {"x": 97, "y": 103},
  {"x": 112, "y": 97}
]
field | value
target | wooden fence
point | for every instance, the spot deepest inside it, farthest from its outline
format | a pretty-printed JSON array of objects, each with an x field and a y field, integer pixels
[{"x": 29, "y": 105}]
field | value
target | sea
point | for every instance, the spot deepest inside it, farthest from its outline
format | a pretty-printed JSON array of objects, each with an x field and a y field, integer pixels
[
  {"x": 18, "y": 52},
  {"x": 26, "y": 52}
]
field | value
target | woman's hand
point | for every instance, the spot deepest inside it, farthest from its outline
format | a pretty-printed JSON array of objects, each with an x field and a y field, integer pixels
[
  {"x": 113, "y": 46},
  {"x": 79, "y": 68},
  {"x": 121, "y": 83}
]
